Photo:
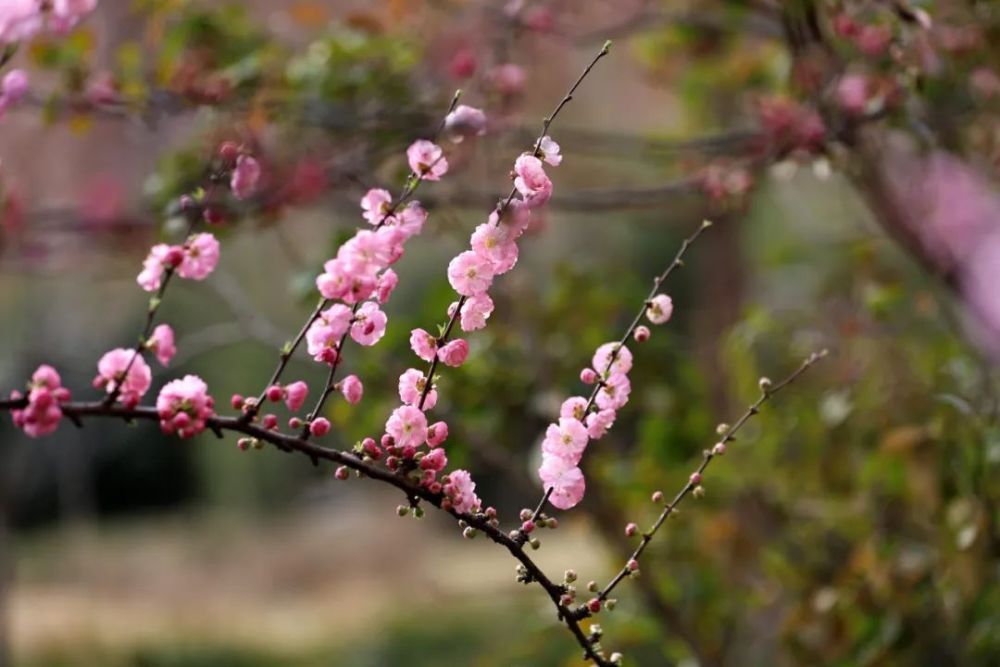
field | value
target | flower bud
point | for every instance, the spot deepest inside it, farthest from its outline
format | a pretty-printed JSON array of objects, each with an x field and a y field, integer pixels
[
  {"x": 719, "y": 449},
  {"x": 764, "y": 384},
  {"x": 657, "y": 497},
  {"x": 631, "y": 530},
  {"x": 641, "y": 334},
  {"x": 342, "y": 473},
  {"x": 569, "y": 576}
]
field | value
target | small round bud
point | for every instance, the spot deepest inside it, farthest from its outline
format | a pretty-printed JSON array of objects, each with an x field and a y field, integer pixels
[
  {"x": 719, "y": 449},
  {"x": 418, "y": 512},
  {"x": 617, "y": 658},
  {"x": 596, "y": 631},
  {"x": 552, "y": 523},
  {"x": 631, "y": 530},
  {"x": 527, "y": 527},
  {"x": 469, "y": 533},
  {"x": 243, "y": 443},
  {"x": 256, "y": 444},
  {"x": 174, "y": 256},
  {"x": 657, "y": 497},
  {"x": 641, "y": 334},
  {"x": 610, "y": 604},
  {"x": 566, "y": 600},
  {"x": 229, "y": 151},
  {"x": 535, "y": 543},
  {"x": 588, "y": 376},
  {"x": 270, "y": 422},
  {"x": 722, "y": 428},
  {"x": 569, "y": 576},
  {"x": 632, "y": 565},
  {"x": 594, "y": 605},
  {"x": 514, "y": 534},
  {"x": 213, "y": 215},
  {"x": 295, "y": 423},
  {"x": 186, "y": 202},
  {"x": 402, "y": 510},
  {"x": 592, "y": 586},
  {"x": 275, "y": 393},
  {"x": 490, "y": 512},
  {"x": 695, "y": 478},
  {"x": 342, "y": 473},
  {"x": 525, "y": 514},
  {"x": 236, "y": 401},
  {"x": 698, "y": 491},
  {"x": 387, "y": 441},
  {"x": 319, "y": 427},
  {"x": 765, "y": 384}
]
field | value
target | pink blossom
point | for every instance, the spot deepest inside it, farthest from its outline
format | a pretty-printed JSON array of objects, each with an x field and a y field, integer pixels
[
  {"x": 531, "y": 180},
  {"x": 323, "y": 336},
  {"x": 385, "y": 284},
  {"x": 423, "y": 344},
  {"x": 567, "y": 439},
  {"x": 461, "y": 491},
  {"x": 375, "y": 205},
  {"x": 602, "y": 359},
  {"x": 470, "y": 273},
  {"x": 565, "y": 479},
  {"x": 352, "y": 389},
  {"x": 14, "y": 86},
  {"x": 873, "y": 40},
  {"x": 42, "y": 414},
  {"x": 184, "y": 406},
  {"x": 465, "y": 122},
  {"x": 341, "y": 280},
  {"x": 161, "y": 343},
  {"x": 852, "y": 93},
  {"x": 599, "y": 422},
  {"x": 111, "y": 375},
  {"x": 411, "y": 387},
  {"x": 19, "y": 19},
  {"x": 495, "y": 243},
  {"x": 295, "y": 395},
  {"x": 435, "y": 460},
  {"x": 463, "y": 64},
  {"x": 427, "y": 160},
  {"x": 660, "y": 308},
  {"x": 574, "y": 407},
  {"x": 246, "y": 177},
  {"x": 319, "y": 427},
  {"x": 411, "y": 219},
  {"x": 516, "y": 218},
  {"x": 408, "y": 426},
  {"x": 437, "y": 433},
  {"x": 508, "y": 79},
  {"x": 454, "y": 353},
  {"x": 159, "y": 258},
  {"x": 614, "y": 394},
  {"x": 475, "y": 311},
  {"x": 369, "y": 324},
  {"x": 201, "y": 254},
  {"x": 550, "y": 151}
]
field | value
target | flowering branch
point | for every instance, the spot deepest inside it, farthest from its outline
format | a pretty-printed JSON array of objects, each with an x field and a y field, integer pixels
[{"x": 693, "y": 485}]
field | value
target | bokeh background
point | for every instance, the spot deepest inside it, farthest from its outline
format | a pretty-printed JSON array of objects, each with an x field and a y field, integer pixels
[{"x": 855, "y": 522}]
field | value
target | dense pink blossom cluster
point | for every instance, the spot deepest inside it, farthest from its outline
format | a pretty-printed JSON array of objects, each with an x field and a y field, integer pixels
[
  {"x": 582, "y": 420},
  {"x": 45, "y": 393},
  {"x": 195, "y": 260},
  {"x": 184, "y": 406},
  {"x": 22, "y": 19}
]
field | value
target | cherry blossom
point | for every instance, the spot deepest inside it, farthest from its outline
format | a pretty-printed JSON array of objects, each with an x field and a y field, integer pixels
[
  {"x": 437, "y": 433},
  {"x": 295, "y": 395},
  {"x": 408, "y": 426},
  {"x": 531, "y": 180},
  {"x": 475, "y": 311},
  {"x": 246, "y": 177},
  {"x": 427, "y": 160},
  {"x": 385, "y": 284},
  {"x": 573, "y": 407},
  {"x": 352, "y": 389},
  {"x": 454, "y": 353},
  {"x": 375, "y": 205},
  {"x": 550, "y": 151},
  {"x": 602, "y": 359},
  {"x": 42, "y": 414},
  {"x": 161, "y": 343},
  {"x": 465, "y": 122},
  {"x": 599, "y": 422},
  {"x": 112, "y": 375},
  {"x": 184, "y": 405},
  {"x": 461, "y": 491},
  {"x": 567, "y": 439},
  {"x": 411, "y": 387},
  {"x": 423, "y": 344},
  {"x": 565, "y": 479},
  {"x": 369, "y": 324},
  {"x": 201, "y": 254},
  {"x": 660, "y": 308},
  {"x": 435, "y": 460},
  {"x": 323, "y": 336},
  {"x": 470, "y": 273},
  {"x": 614, "y": 392}
]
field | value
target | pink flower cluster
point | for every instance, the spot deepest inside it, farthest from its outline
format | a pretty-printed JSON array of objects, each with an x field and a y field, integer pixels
[
  {"x": 22, "y": 19},
  {"x": 184, "y": 406},
  {"x": 126, "y": 373},
  {"x": 45, "y": 393},
  {"x": 581, "y": 421},
  {"x": 196, "y": 260}
]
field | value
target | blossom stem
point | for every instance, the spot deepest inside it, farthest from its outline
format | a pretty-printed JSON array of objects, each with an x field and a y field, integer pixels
[{"x": 691, "y": 484}]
